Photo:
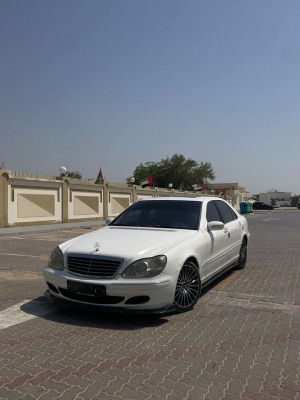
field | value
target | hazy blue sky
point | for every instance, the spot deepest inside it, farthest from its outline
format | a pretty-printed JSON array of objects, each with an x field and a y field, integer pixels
[{"x": 115, "y": 83}]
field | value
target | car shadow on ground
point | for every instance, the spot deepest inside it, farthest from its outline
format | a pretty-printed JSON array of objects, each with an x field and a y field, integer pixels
[
  {"x": 221, "y": 281},
  {"x": 42, "y": 307}
]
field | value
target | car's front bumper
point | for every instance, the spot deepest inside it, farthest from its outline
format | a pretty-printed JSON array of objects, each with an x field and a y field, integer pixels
[
  {"x": 144, "y": 294},
  {"x": 104, "y": 308}
]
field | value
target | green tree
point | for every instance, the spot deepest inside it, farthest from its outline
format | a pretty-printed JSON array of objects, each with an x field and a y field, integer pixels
[
  {"x": 74, "y": 174},
  {"x": 175, "y": 170}
]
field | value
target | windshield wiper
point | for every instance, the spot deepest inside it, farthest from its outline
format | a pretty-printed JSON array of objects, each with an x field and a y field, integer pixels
[
  {"x": 121, "y": 225},
  {"x": 163, "y": 226},
  {"x": 146, "y": 226}
]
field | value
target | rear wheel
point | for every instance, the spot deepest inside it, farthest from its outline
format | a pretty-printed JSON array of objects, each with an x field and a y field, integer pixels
[
  {"x": 243, "y": 255},
  {"x": 188, "y": 287}
]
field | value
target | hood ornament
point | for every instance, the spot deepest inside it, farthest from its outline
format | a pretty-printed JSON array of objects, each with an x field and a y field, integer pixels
[{"x": 96, "y": 247}]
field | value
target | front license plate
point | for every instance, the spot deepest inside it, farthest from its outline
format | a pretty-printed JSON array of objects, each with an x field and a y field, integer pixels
[{"x": 86, "y": 289}]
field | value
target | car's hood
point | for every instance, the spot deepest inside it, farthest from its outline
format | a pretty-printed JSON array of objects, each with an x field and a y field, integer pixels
[{"x": 127, "y": 242}]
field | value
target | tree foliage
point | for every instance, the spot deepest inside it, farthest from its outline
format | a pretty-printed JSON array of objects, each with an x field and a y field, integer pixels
[
  {"x": 175, "y": 170},
  {"x": 74, "y": 174}
]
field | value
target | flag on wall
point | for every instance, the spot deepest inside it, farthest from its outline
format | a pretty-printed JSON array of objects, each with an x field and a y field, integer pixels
[
  {"x": 99, "y": 177},
  {"x": 147, "y": 182}
]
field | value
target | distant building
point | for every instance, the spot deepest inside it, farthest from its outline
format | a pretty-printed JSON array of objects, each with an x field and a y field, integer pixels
[
  {"x": 295, "y": 201},
  {"x": 282, "y": 198}
]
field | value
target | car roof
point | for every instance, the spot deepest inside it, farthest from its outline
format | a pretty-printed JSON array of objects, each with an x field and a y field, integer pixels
[{"x": 182, "y": 198}]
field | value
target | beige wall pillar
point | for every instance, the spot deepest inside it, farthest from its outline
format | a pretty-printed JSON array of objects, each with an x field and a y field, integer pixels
[
  {"x": 134, "y": 194},
  {"x": 105, "y": 200},
  {"x": 3, "y": 199},
  {"x": 65, "y": 200}
]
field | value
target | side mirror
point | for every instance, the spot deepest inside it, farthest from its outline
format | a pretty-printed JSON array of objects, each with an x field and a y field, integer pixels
[
  {"x": 215, "y": 226},
  {"x": 108, "y": 221}
]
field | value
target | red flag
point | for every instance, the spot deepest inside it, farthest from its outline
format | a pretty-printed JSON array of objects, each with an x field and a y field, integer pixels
[
  {"x": 150, "y": 180},
  {"x": 223, "y": 191},
  {"x": 202, "y": 187},
  {"x": 99, "y": 177}
]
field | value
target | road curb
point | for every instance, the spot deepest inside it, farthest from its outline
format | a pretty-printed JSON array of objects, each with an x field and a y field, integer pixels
[{"x": 17, "y": 230}]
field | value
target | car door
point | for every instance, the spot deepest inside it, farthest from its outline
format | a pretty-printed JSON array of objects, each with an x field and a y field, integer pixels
[
  {"x": 217, "y": 243},
  {"x": 233, "y": 228}
]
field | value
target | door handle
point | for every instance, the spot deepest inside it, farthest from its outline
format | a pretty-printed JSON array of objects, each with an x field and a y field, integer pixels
[{"x": 226, "y": 231}]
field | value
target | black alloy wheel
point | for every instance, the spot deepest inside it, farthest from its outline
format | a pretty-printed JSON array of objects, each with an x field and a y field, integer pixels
[
  {"x": 188, "y": 287},
  {"x": 243, "y": 255}
]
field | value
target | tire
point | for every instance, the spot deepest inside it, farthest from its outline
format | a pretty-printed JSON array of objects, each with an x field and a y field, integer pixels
[
  {"x": 188, "y": 287},
  {"x": 243, "y": 255}
]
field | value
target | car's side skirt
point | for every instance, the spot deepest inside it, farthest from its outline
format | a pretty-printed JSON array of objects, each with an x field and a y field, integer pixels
[{"x": 218, "y": 274}]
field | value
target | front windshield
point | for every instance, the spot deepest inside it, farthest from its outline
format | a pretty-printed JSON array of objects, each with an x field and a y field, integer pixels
[{"x": 176, "y": 214}]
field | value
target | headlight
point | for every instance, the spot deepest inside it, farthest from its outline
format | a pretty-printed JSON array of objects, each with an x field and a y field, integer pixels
[
  {"x": 145, "y": 268},
  {"x": 56, "y": 259}
]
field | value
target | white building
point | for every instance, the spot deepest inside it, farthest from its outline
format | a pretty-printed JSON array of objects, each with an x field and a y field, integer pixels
[{"x": 282, "y": 198}]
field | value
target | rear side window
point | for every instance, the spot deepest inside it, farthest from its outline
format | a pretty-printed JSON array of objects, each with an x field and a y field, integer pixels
[
  {"x": 227, "y": 213},
  {"x": 212, "y": 212}
]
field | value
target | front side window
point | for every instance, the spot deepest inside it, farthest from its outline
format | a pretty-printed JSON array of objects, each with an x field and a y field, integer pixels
[
  {"x": 227, "y": 213},
  {"x": 212, "y": 213}
]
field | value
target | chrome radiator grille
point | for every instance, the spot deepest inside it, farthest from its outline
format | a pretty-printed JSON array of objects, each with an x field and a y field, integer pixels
[{"x": 94, "y": 267}]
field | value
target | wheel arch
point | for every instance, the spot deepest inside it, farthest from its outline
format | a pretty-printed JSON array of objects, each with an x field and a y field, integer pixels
[{"x": 195, "y": 261}]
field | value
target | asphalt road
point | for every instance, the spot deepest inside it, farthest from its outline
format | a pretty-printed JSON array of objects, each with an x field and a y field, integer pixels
[{"x": 241, "y": 341}]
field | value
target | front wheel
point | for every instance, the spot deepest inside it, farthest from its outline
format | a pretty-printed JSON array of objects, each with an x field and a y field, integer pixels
[
  {"x": 188, "y": 287},
  {"x": 243, "y": 255}
]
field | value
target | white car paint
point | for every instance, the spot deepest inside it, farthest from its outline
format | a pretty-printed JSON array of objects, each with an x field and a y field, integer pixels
[{"x": 211, "y": 252}]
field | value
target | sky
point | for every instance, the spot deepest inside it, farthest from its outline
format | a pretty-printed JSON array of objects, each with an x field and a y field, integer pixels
[{"x": 114, "y": 83}]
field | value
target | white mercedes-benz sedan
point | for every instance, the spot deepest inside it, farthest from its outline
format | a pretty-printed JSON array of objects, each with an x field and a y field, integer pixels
[{"x": 155, "y": 256}]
